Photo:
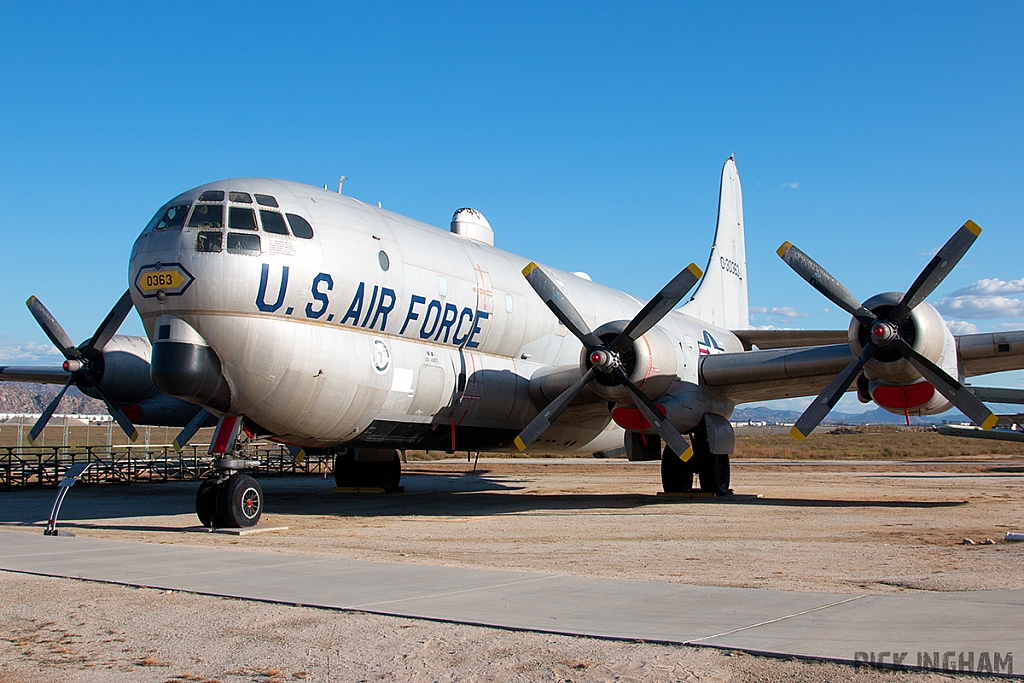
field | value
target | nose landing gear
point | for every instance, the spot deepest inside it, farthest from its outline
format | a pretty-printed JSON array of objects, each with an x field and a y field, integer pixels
[
  {"x": 230, "y": 498},
  {"x": 235, "y": 501}
]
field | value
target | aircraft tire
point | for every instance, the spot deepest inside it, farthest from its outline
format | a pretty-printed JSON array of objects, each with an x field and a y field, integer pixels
[
  {"x": 389, "y": 474},
  {"x": 676, "y": 475},
  {"x": 240, "y": 501},
  {"x": 714, "y": 474},
  {"x": 345, "y": 470},
  {"x": 206, "y": 503}
]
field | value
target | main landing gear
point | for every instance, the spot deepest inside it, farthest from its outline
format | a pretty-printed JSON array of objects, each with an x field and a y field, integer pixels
[
  {"x": 379, "y": 468},
  {"x": 712, "y": 469}
]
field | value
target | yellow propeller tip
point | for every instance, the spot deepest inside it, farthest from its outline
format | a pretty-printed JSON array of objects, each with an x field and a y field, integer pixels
[
  {"x": 519, "y": 444},
  {"x": 30, "y": 300},
  {"x": 135, "y": 436},
  {"x": 786, "y": 246},
  {"x": 989, "y": 422},
  {"x": 973, "y": 227},
  {"x": 697, "y": 272},
  {"x": 176, "y": 446},
  {"x": 797, "y": 434},
  {"x": 685, "y": 457},
  {"x": 300, "y": 456},
  {"x": 530, "y": 267}
]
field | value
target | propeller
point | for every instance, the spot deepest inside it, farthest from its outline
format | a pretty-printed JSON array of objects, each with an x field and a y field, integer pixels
[
  {"x": 605, "y": 360},
  {"x": 885, "y": 332},
  {"x": 194, "y": 425},
  {"x": 83, "y": 362}
]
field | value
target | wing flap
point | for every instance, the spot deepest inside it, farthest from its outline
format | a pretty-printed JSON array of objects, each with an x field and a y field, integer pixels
[{"x": 780, "y": 339}]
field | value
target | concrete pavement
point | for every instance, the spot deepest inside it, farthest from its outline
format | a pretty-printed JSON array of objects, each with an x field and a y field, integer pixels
[{"x": 979, "y": 631}]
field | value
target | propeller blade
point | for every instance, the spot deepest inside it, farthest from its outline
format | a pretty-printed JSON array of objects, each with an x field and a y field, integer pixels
[
  {"x": 547, "y": 416},
  {"x": 830, "y": 395},
  {"x": 656, "y": 309},
  {"x": 110, "y": 324},
  {"x": 936, "y": 270},
  {"x": 122, "y": 420},
  {"x": 193, "y": 426},
  {"x": 40, "y": 424},
  {"x": 821, "y": 280},
  {"x": 559, "y": 305},
  {"x": 956, "y": 393},
  {"x": 673, "y": 439},
  {"x": 52, "y": 328}
]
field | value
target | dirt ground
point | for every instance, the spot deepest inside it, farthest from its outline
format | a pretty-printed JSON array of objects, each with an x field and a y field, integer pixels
[{"x": 869, "y": 526}]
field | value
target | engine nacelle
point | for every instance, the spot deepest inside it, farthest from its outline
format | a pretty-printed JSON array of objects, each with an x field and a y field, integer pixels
[
  {"x": 123, "y": 367},
  {"x": 651, "y": 363},
  {"x": 893, "y": 382}
]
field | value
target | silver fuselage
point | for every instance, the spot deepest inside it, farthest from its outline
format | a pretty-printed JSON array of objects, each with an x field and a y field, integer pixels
[{"x": 382, "y": 329}]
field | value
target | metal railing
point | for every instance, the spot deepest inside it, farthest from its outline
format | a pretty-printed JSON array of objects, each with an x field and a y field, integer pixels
[{"x": 46, "y": 466}]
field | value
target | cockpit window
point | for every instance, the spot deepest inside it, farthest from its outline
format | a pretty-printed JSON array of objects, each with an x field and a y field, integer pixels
[
  {"x": 273, "y": 222},
  {"x": 173, "y": 218},
  {"x": 300, "y": 226},
  {"x": 212, "y": 196},
  {"x": 207, "y": 215},
  {"x": 241, "y": 218},
  {"x": 266, "y": 200},
  {"x": 240, "y": 197},
  {"x": 243, "y": 243},
  {"x": 210, "y": 242}
]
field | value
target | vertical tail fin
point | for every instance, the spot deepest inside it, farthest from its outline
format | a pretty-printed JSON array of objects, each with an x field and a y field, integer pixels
[{"x": 721, "y": 296}]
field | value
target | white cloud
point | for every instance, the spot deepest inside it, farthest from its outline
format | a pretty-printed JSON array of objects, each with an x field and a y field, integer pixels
[
  {"x": 985, "y": 299},
  {"x": 1003, "y": 327},
  {"x": 961, "y": 327},
  {"x": 782, "y": 311},
  {"x": 975, "y": 307},
  {"x": 989, "y": 286},
  {"x": 792, "y": 185},
  {"x": 16, "y": 351}
]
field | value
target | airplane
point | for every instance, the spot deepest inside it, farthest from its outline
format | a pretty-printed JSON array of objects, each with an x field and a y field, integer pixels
[{"x": 285, "y": 311}]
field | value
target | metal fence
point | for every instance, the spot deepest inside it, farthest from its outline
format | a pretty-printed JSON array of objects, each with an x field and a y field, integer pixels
[{"x": 45, "y": 467}]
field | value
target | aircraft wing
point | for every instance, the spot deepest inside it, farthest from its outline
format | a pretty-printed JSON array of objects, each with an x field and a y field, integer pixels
[
  {"x": 33, "y": 374},
  {"x": 981, "y": 354},
  {"x": 773, "y": 373},
  {"x": 779, "y": 339}
]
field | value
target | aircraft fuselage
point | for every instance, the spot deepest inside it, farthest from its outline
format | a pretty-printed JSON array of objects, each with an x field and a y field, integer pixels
[{"x": 377, "y": 329}]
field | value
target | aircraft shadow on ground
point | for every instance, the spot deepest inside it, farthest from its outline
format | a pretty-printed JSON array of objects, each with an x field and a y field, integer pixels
[{"x": 426, "y": 495}]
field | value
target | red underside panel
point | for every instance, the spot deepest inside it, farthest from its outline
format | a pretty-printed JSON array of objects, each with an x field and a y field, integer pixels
[
  {"x": 633, "y": 419},
  {"x": 132, "y": 412},
  {"x": 903, "y": 398}
]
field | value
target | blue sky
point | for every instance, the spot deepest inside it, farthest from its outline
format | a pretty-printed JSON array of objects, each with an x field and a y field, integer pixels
[{"x": 591, "y": 135}]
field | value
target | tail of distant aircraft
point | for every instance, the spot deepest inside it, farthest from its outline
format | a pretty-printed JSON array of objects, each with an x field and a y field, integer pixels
[{"x": 721, "y": 297}]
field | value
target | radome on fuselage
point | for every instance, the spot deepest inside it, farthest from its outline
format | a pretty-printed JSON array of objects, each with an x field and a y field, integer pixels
[{"x": 374, "y": 328}]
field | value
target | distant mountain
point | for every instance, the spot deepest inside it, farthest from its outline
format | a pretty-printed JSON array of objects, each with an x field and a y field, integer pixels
[
  {"x": 876, "y": 416},
  {"x": 33, "y": 398}
]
